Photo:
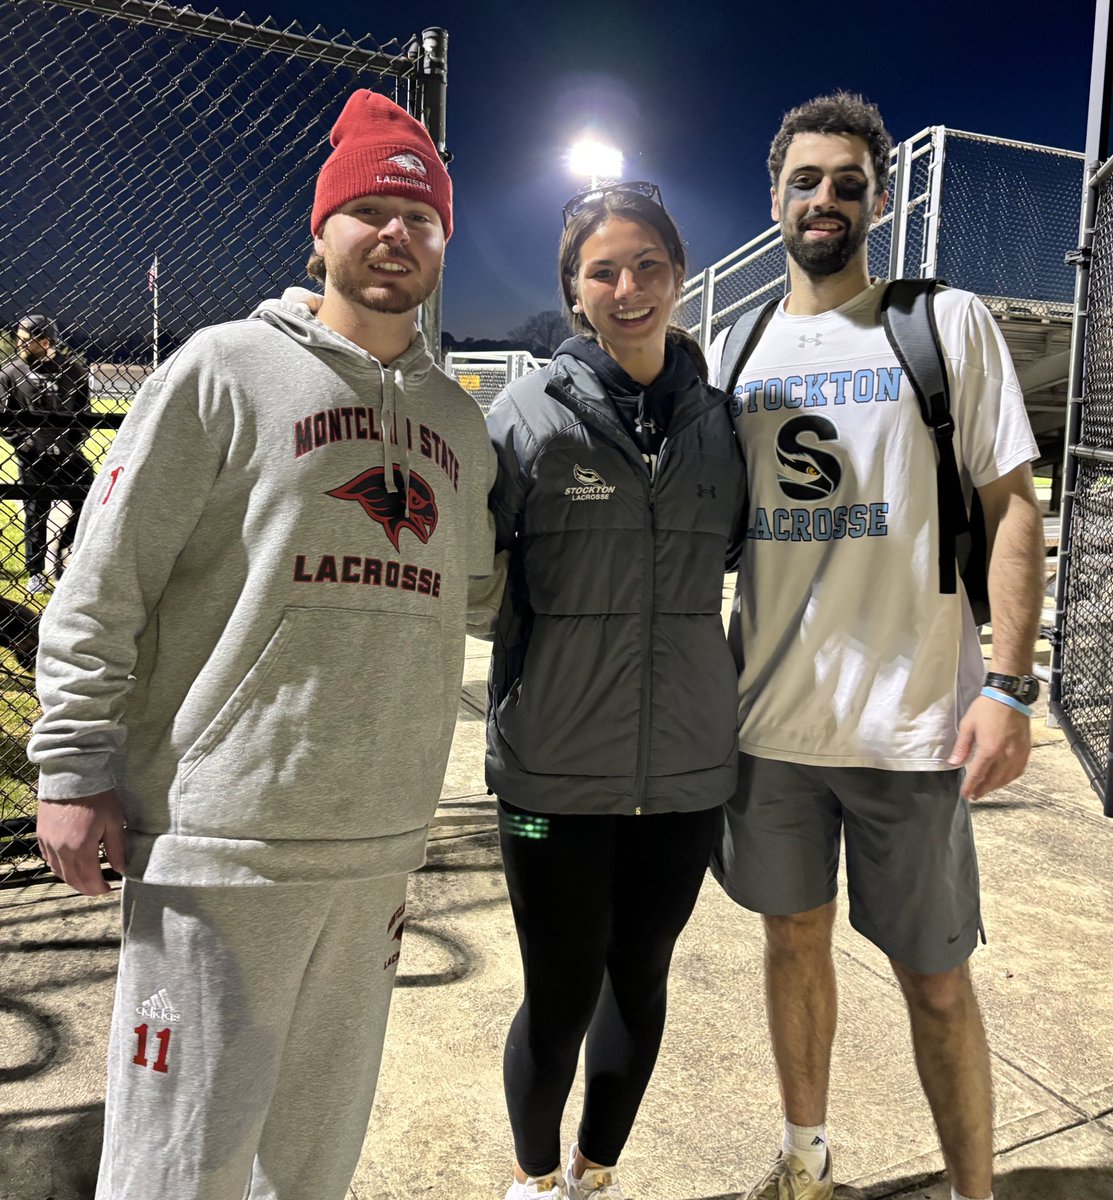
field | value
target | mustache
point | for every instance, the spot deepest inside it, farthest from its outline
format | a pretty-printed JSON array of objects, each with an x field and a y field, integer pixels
[{"x": 399, "y": 255}]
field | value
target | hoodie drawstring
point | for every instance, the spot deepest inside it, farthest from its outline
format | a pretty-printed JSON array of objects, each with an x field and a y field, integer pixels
[{"x": 394, "y": 420}]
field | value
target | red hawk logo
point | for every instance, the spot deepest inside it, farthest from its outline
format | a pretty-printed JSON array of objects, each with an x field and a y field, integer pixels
[{"x": 386, "y": 508}]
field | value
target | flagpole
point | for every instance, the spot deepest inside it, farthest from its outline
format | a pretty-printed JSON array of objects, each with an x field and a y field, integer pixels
[{"x": 152, "y": 279}]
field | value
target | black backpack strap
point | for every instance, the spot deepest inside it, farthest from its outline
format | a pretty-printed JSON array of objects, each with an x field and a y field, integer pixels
[
  {"x": 908, "y": 315},
  {"x": 744, "y": 335}
]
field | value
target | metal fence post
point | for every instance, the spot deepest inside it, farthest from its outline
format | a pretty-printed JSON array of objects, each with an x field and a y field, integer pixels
[
  {"x": 900, "y": 212},
  {"x": 432, "y": 91},
  {"x": 934, "y": 214},
  {"x": 707, "y": 310},
  {"x": 1097, "y": 136},
  {"x": 1073, "y": 430}
]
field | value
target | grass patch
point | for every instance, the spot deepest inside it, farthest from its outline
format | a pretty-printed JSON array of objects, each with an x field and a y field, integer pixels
[{"x": 19, "y": 709}]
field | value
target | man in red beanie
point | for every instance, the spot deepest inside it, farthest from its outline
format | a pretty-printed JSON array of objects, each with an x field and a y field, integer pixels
[{"x": 253, "y": 666}]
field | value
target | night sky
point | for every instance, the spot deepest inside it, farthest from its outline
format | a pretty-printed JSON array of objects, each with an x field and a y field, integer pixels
[{"x": 692, "y": 93}]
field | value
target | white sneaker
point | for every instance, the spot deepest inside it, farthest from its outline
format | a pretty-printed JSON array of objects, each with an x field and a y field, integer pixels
[
  {"x": 544, "y": 1187},
  {"x": 37, "y": 583},
  {"x": 597, "y": 1182}
]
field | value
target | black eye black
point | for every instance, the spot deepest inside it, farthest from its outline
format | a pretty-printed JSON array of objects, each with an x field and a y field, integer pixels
[{"x": 850, "y": 189}]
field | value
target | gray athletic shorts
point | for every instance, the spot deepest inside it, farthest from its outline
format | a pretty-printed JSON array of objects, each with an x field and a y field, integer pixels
[{"x": 912, "y": 872}]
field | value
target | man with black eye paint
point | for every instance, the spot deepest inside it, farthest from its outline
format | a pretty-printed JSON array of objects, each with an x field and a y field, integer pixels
[{"x": 863, "y": 691}]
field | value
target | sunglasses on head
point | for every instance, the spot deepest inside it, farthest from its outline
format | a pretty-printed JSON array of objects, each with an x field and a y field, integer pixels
[{"x": 636, "y": 187}]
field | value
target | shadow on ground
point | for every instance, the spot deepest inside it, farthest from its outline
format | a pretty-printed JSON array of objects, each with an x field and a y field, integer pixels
[
  {"x": 1025, "y": 1183},
  {"x": 51, "y": 1156}
]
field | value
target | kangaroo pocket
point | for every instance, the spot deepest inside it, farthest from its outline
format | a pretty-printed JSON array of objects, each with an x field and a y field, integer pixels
[
  {"x": 574, "y": 709},
  {"x": 336, "y": 731}
]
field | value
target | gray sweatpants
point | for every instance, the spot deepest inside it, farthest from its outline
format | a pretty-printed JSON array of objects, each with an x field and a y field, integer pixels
[{"x": 246, "y": 1038}]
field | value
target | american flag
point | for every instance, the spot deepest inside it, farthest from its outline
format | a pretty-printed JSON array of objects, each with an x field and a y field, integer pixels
[{"x": 152, "y": 275}]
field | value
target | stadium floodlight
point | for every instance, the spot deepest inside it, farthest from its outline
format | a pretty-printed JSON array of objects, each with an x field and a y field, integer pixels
[{"x": 595, "y": 160}]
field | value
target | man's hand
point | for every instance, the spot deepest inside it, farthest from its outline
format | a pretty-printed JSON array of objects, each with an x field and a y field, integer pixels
[
  {"x": 70, "y": 833},
  {"x": 1001, "y": 739},
  {"x": 299, "y": 295}
]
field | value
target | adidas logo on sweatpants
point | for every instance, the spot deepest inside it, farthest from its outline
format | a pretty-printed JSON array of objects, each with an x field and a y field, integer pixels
[{"x": 159, "y": 1008}]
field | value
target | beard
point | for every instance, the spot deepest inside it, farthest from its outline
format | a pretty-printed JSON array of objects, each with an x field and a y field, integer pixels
[
  {"x": 828, "y": 256},
  {"x": 404, "y": 295}
]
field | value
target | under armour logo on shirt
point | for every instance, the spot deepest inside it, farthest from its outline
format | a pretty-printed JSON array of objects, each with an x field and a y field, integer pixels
[{"x": 815, "y": 340}]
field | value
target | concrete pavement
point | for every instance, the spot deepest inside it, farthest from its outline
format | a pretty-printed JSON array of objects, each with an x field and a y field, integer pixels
[{"x": 710, "y": 1120}]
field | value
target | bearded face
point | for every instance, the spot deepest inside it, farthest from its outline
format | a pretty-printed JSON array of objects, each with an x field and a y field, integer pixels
[
  {"x": 832, "y": 253},
  {"x": 383, "y": 253},
  {"x": 826, "y": 198},
  {"x": 364, "y": 282}
]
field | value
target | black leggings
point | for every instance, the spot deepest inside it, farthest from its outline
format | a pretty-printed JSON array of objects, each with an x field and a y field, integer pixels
[
  {"x": 72, "y": 471},
  {"x": 598, "y": 902}
]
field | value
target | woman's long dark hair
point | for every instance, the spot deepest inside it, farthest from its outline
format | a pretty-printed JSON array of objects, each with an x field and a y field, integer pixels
[{"x": 630, "y": 206}]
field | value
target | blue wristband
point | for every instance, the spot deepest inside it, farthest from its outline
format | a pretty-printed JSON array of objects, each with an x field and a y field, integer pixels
[{"x": 1005, "y": 698}]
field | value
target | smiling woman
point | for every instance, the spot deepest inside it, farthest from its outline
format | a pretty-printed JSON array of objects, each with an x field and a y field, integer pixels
[{"x": 613, "y": 695}]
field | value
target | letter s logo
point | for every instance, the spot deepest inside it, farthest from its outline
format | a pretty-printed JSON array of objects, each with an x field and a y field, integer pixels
[{"x": 807, "y": 473}]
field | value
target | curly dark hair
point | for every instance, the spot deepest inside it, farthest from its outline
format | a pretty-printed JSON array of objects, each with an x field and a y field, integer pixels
[{"x": 841, "y": 112}]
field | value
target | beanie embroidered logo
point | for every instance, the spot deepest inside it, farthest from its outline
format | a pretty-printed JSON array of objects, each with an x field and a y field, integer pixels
[
  {"x": 379, "y": 149},
  {"x": 386, "y": 508},
  {"x": 409, "y": 162}
]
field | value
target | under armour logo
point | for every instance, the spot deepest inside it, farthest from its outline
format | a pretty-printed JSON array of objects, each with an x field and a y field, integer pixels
[
  {"x": 705, "y": 489},
  {"x": 815, "y": 340}
]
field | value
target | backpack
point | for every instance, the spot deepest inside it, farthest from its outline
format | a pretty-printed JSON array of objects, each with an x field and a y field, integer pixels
[{"x": 908, "y": 317}]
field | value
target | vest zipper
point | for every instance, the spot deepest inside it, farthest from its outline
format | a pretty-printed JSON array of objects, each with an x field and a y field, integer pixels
[
  {"x": 652, "y": 464},
  {"x": 645, "y": 712}
]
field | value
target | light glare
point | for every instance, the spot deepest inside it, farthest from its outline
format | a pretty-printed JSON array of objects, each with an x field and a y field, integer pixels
[{"x": 596, "y": 161}]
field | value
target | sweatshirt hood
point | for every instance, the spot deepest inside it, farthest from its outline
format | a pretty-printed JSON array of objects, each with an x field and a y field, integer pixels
[
  {"x": 409, "y": 369},
  {"x": 298, "y": 322}
]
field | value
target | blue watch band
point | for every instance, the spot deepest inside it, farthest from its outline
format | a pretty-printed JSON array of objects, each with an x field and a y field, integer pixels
[{"x": 1004, "y": 698}]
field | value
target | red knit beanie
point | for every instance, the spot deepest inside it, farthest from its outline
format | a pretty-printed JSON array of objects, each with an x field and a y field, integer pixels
[{"x": 380, "y": 150}]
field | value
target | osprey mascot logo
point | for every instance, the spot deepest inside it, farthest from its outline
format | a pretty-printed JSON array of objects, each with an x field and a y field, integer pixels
[
  {"x": 409, "y": 162},
  {"x": 369, "y": 490},
  {"x": 806, "y": 472}
]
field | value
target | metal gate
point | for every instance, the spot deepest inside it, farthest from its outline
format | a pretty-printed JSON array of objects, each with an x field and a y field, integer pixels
[
  {"x": 1081, "y": 697},
  {"x": 1082, "y": 662},
  {"x": 159, "y": 173}
]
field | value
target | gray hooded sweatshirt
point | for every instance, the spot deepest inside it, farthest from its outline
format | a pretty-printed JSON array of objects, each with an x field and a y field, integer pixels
[{"x": 259, "y": 641}]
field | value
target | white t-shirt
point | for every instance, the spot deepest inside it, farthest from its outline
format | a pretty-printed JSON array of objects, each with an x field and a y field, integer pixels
[{"x": 851, "y": 655}]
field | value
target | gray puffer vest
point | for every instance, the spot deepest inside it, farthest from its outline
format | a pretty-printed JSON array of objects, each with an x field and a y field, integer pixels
[{"x": 612, "y": 689}]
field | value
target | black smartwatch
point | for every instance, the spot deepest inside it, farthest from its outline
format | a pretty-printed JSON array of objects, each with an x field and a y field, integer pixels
[{"x": 1024, "y": 688}]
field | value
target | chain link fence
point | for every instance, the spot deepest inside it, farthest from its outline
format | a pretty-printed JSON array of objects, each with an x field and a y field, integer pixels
[
  {"x": 1082, "y": 662},
  {"x": 160, "y": 166},
  {"x": 1010, "y": 216}
]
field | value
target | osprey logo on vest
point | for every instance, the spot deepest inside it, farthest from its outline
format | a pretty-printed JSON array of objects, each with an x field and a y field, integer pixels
[{"x": 592, "y": 485}]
